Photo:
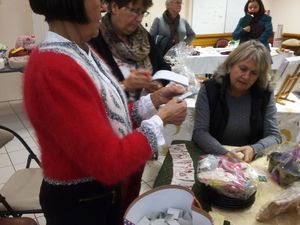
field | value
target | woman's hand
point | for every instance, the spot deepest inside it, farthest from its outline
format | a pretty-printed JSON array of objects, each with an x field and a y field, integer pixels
[
  {"x": 247, "y": 151},
  {"x": 165, "y": 94},
  {"x": 138, "y": 79},
  {"x": 154, "y": 86},
  {"x": 247, "y": 29},
  {"x": 235, "y": 157},
  {"x": 174, "y": 112}
]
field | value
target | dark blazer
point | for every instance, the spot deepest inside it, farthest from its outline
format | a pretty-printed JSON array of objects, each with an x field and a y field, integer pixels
[
  {"x": 265, "y": 21},
  {"x": 216, "y": 93}
]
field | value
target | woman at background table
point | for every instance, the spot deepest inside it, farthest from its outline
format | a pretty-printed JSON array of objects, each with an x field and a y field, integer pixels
[
  {"x": 255, "y": 24},
  {"x": 82, "y": 121},
  {"x": 169, "y": 29},
  {"x": 236, "y": 107},
  {"x": 128, "y": 48}
]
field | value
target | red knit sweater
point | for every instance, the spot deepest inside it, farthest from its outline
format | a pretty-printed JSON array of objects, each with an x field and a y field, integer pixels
[{"x": 69, "y": 118}]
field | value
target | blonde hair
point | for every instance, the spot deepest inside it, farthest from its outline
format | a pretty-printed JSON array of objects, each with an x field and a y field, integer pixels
[{"x": 256, "y": 52}]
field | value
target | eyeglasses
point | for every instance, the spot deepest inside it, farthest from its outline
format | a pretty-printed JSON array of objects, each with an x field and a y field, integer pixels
[{"x": 137, "y": 12}]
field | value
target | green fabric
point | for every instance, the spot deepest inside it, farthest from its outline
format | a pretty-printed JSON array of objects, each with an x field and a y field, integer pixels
[{"x": 165, "y": 174}]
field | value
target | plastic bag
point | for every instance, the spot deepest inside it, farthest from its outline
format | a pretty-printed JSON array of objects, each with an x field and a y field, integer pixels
[
  {"x": 232, "y": 179},
  {"x": 176, "y": 57},
  {"x": 284, "y": 163},
  {"x": 286, "y": 200},
  {"x": 3, "y": 49},
  {"x": 28, "y": 42},
  {"x": 233, "y": 43}
]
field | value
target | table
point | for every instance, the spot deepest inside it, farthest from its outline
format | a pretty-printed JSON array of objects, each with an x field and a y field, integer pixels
[
  {"x": 10, "y": 70},
  {"x": 210, "y": 58},
  {"x": 288, "y": 117},
  {"x": 265, "y": 192}
]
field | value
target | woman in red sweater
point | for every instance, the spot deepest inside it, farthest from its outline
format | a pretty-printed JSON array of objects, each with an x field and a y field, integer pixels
[{"x": 82, "y": 121}]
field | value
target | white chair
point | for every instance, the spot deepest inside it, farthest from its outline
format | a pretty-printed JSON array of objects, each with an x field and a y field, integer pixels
[{"x": 20, "y": 194}]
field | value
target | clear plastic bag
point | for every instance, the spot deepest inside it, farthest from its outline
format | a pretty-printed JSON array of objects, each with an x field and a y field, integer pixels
[
  {"x": 176, "y": 57},
  {"x": 284, "y": 201},
  {"x": 284, "y": 163},
  {"x": 233, "y": 179},
  {"x": 3, "y": 50}
]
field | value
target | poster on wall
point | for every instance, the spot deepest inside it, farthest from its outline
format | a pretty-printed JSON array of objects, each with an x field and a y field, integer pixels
[
  {"x": 208, "y": 16},
  {"x": 216, "y": 16}
]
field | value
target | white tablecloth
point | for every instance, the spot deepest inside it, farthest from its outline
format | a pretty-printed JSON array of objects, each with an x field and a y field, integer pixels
[{"x": 210, "y": 58}]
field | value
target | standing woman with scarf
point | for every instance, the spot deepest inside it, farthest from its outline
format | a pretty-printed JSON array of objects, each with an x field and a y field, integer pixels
[
  {"x": 128, "y": 47},
  {"x": 169, "y": 29},
  {"x": 130, "y": 52},
  {"x": 255, "y": 24}
]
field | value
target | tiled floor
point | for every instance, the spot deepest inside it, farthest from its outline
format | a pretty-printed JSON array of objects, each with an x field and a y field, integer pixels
[{"x": 13, "y": 155}]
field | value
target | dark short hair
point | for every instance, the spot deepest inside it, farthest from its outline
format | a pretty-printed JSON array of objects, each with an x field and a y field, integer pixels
[
  {"x": 261, "y": 7},
  {"x": 122, "y": 3},
  {"x": 67, "y": 10}
]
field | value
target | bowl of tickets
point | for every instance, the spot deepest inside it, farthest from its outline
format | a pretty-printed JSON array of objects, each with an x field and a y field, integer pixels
[{"x": 168, "y": 204}]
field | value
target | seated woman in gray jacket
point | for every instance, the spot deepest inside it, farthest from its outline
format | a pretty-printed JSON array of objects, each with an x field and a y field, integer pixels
[
  {"x": 236, "y": 107},
  {"x": 169, "y": 29}
]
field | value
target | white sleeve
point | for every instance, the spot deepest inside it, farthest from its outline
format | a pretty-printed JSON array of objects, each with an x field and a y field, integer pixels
[
  {"x": 156, "y": 125},
  {"x": 146, "y": 109}
]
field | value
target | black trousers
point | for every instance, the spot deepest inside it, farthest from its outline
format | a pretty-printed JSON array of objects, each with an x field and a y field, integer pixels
[{"x": 88, "y": 203}]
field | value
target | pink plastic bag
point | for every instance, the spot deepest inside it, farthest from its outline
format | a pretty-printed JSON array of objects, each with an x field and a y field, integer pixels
[{"x": 26, "y": 41}]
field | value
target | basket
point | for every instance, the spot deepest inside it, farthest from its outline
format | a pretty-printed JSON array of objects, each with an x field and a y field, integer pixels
[
  {"x": 160, "y": 199},
  {"x": 213, "y": 197}
]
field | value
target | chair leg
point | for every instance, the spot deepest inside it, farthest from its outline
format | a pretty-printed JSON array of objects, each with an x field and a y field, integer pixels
[
  {"x": 32, "y": 155},
  {"x": 8, "y": 207}
]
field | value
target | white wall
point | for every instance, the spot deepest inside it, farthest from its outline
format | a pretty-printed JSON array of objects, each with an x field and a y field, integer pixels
[
  {"x": 40, "y": 27},
  {"x": 286, "y": 12},
  {"x": 15, "y": 19},
  {"x": 268, "y": 4}
]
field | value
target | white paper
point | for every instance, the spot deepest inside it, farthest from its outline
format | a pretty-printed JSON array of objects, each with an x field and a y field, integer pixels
[
  {"x": 144, "y": 221},
  {"x": 171, "y": 76},
  {"x": 186, "y": 95}
]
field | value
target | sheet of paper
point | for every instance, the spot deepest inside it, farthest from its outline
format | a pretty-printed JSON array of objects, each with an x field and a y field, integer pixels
[{"x": 171, "y": 76}]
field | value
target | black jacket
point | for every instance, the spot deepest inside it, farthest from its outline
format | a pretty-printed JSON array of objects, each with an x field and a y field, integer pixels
[{"x": 216, "y": 93}]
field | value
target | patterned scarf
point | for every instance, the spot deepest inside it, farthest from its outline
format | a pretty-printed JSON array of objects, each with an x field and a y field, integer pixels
[
  {"x": 256, "y": 28},
  {"x": 173, "y": 24},
  {"x": 136, "y": 51}
]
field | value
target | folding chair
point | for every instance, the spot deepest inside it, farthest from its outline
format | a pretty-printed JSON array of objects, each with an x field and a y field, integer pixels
[
  {"x": 20, "y": 194},
  {"x": 221, "y": 43}
]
